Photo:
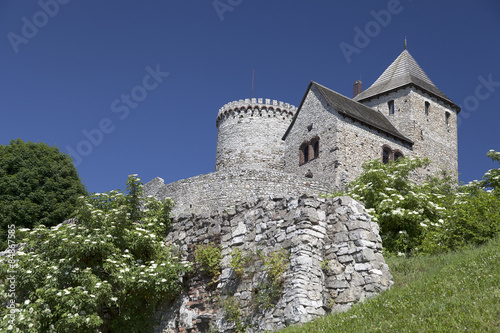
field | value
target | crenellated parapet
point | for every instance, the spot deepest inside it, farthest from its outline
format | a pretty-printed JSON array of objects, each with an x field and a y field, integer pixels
[
  {"x": 249, "y": 134},
  {"x": 256, "y": 107}
]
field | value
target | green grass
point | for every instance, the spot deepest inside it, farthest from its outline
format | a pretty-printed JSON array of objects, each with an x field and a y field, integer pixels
[{"x": 452, "y": 292}]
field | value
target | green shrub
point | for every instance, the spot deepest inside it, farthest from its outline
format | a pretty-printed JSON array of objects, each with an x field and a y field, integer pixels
[
  {"x": 435, "y": 216},
  {"x": 232, "y": 310},
  {"x": 106, "y": 272},
  {"x": 208, "y": 257},
  {"x": 239, "y": 262},
  {"x": 269, "y": 291}
]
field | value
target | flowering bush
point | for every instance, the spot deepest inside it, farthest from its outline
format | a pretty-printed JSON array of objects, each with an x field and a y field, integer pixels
[
  {"x": 434, "y": 216},
  {"x": 107, "y": 271},
  {"x": 491, "y": 179}
]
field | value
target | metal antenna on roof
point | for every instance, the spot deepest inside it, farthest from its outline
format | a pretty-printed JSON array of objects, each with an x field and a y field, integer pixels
[
  {"x": 405, "y": 42},
  {"x": 253, "y": 72}
]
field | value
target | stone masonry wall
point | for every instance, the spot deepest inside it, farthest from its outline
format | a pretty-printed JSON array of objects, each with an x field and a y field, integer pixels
[
  {"x": 218, "y": 190},
  {"x": 431, "y": 135},
  {"x": 343, "y": 143},
  {"x": 249, "y": 134},
  {"x": 335, "y": 260}
]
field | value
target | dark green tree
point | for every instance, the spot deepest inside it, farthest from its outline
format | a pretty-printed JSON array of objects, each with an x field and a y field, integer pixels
[{"x": 38, "y": 185}]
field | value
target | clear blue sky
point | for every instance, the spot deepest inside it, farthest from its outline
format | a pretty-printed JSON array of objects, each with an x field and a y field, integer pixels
[{"x": 65, "y": 72}]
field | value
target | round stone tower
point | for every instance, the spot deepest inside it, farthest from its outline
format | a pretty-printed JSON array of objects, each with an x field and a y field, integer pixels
[{"x": 249, "y": 134}]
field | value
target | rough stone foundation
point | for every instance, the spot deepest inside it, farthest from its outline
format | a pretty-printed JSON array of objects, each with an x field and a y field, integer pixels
[{"x": 335, "y": 260}]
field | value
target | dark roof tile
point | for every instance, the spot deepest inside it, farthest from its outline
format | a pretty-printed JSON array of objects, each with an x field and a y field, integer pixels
[
  {"x": 402, "y": 72},
  {"x": 354, "y": 110}
]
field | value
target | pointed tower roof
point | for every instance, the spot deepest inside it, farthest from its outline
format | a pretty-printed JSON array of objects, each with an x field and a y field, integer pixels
[{"x": 402, "y": 72}]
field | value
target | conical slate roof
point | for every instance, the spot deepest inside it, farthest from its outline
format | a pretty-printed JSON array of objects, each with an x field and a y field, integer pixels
[{"x": 402, "y": 72}]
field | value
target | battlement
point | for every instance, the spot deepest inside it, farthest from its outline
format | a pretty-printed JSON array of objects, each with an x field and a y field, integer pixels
[
  {"x": 256, "y": 107},
  {"x": 249, "y": 134}
]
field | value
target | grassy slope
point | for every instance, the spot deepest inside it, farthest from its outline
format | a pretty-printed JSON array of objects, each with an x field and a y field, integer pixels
[{"x": 452, "y": 292}]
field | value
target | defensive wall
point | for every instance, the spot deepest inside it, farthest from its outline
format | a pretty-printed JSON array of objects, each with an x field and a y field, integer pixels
[
  {"x": 218, "y": 190},
  {"x": 334, "y": 260}
]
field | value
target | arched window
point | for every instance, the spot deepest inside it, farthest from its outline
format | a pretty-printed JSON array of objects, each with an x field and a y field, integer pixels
[
  {"x": 386, "y": 155},
  {"x": 309, "y": 150},
  {"x": 390, "y": 105},
  {"x": 427, "y": 107},
  {"x": 398, "y": 155},
  {"x": 304, "y": 153},
  {"x": 316, "y": 148},
  {"x": 447, "y": 118},
  {"x": 390, "y": 155}
]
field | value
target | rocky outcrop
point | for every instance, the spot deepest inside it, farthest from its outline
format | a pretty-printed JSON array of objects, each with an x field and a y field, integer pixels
[{"x": 332, "y": 257}]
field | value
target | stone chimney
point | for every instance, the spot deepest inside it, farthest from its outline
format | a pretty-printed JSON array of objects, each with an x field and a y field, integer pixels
[{"x": 357, "y": 88}]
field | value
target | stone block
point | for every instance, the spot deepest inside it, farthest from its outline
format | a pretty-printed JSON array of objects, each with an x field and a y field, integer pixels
[{"x": 362, "y": 267}]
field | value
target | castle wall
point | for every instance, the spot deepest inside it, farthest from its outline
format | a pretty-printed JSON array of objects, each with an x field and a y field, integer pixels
[
  {"x": 221, "y": 189},
  {"x": 249, "y": 134},
  {"x": 312, "y": 121},
  {"x": 431, "y": 135},
  {"x": 344, "y": 144},
  {"x": 335, "y": 260}
]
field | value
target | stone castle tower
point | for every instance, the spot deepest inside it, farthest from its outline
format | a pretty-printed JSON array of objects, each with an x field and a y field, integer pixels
[
  {"x": 249, "y": 134},
  {"x": 418, "y": 109}
]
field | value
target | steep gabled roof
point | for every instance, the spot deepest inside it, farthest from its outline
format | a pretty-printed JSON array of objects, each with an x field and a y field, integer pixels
[
  {"x": 402, "y": 72},
  {"x": 352, "y": 109}
]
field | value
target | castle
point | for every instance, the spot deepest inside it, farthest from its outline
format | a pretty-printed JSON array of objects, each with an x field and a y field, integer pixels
[
  {"x": 272, "y": 160},
  {"x": 267, "y": 147}
]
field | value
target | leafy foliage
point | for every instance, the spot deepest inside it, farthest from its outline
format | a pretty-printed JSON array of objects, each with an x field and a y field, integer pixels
[
  {"x": 269, "y": 291},
  {"x": 434, "y": 216},
  {"x": 491, "y": 178},
  {"x": 232, "y": 309},
  {"x": 208, "y": 257},
  {"x": 38, "y": 184},
  {"x": 105, "y": 272},
  {"x": 239, "y": 262}
]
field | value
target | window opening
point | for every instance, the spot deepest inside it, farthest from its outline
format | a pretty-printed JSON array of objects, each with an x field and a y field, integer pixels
[
  {"x": 386, "y": 155},
  {"x": 390, "y": 105}
]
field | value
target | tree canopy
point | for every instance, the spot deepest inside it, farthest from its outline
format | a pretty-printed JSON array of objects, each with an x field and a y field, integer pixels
[{"x": 38, "y": 185}]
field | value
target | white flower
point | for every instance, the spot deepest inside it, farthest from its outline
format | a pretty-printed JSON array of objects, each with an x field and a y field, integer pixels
[
  {"x": 114, "y": 299},
  {"x": 49, "y": 276},
  {"x": 98, "y": 284},
  {"x": 28, "y": 271},
  {"x": 27, "y": 302}
]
